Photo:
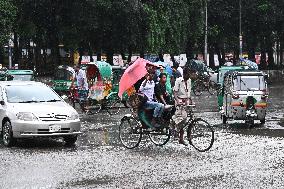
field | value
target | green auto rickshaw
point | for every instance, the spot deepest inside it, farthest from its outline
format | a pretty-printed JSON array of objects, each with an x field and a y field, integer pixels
[
  {"x": 62, "y": 80},
  {"x": 21, "y": 75}
]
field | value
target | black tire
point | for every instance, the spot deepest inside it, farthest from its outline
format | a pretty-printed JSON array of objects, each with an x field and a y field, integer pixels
[
  {"x": 114, "y": 106},
  {"x": 130, "y": 132},
  {"x": 94, "y": 108},
  {"x": 160, "y": 137},
  {"x": 224, "y": 119},
  {"x": 212, "y": 87},
  {"x": 70, "y": 140},
  {"x": 7, "y": 134},
  {"x": 262, "y": 121},
  {"x": 250, "y": 123},
  {"x": 200, "y": 135},
  {"x": 197, "y": 88}
]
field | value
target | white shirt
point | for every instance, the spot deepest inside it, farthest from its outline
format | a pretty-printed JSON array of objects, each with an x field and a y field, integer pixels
[
  {"x": 180, "y": 70},
  {"x": 148, "y": 90},
  {"x": 181, "y": 89},
  {"x": 82, "y": 79}
]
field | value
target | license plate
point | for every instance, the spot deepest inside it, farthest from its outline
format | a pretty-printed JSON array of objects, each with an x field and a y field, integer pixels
[{"x": 54, "y": 128}]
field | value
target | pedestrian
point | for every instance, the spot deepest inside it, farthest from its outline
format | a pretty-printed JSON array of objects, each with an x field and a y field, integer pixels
[
  {"x": 176, "y": 74},
  {"x": 182, "y": 90}
]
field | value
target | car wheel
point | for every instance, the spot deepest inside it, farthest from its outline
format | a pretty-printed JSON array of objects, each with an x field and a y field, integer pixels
[
  {"x": 70, "y": 140},
  {"x": 7, "y": 134}
]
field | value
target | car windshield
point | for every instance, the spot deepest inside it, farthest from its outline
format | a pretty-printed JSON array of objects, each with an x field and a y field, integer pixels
[
  {"x": 22, "y": 77},
  {"x": 62, "y": 74},
  {"x": 253, "y": 83},
  {"x": 30, "y": 93}
]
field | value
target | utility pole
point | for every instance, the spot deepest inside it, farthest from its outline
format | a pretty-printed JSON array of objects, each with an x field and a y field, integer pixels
[
  {"x": 10, "y": 53},
  {"x": 241, "y": 37},
  {"x": 206, "y": 33}
]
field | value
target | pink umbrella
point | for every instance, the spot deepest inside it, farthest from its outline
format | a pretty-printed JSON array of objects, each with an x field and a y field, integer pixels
[{"x": 132, "y": 74}]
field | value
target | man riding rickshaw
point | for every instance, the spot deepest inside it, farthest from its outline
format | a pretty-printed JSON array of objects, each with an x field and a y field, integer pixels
[{"x": 154, "y": 116}]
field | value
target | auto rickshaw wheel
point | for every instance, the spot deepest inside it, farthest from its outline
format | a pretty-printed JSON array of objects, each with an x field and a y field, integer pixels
[
  {"x": 224, "y": 119},
  {"x": 262, "y": 121}
]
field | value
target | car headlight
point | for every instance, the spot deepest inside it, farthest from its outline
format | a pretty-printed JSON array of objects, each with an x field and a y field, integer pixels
[
  {"x": 73, "y": 116},
  {"x": 26, "y": 116}
]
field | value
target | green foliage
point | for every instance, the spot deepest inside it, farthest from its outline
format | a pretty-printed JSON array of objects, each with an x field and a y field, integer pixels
[{"x": 7, "y": 16}]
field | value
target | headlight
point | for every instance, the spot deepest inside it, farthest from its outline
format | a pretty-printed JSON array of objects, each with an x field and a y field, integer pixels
[
  {"x": 73, "y": 116},
  {"x": 26, "y": 116}
]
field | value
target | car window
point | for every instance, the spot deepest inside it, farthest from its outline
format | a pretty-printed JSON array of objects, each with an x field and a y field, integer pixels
[{"x": 30, "y": 93}]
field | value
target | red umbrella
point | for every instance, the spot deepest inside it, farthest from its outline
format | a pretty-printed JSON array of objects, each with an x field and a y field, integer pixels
[{"x": 132, "y": 74}]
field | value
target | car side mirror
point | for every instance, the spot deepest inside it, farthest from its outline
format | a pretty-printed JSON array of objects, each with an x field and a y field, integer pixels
[{"x": 2, "y": 102}]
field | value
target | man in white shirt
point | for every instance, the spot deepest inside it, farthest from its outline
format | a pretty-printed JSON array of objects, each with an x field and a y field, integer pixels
[
  {"x": 148, "y": 88},
  {"x": 180, "y": 70},
  {"x": 182, "y": 91},
  {"x": 81, "y": 78}
]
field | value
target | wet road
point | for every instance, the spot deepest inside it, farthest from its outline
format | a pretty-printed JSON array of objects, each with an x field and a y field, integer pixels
[{"x": 239, "y": 158}]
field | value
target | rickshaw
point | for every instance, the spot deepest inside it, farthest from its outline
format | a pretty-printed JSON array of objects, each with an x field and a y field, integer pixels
[
  {"x": 21, "y": 75},
  {"x": 62, "y": 80},
  {"x": 204, "y": 78},
  {"x": 198, "y": 132},
  {"x": 245, "y": 96},
  {"x": 100, "y": 95}
]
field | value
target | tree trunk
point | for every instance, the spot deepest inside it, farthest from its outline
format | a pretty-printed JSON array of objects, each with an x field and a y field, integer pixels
[
  {"x": 99, "y": 56},
  {"x": 189, "y": 50},
  {"x": 2, "y": 55},
  {"x": 142, "y": 54},
  {"x": 251, "y": 54},
  {"x": 16, "y": 51},
  {"x": 110, "y": 57},
  {"x": 218, "y": 51},
  {"x": 281, "y": 61},
  {"x": 271, "y": 64},
  {"x": 211, "y": 57},
  {"x": 263, "y": 64},
  {"x": 223, "y": 55},
  {"x": 129, "y": 54}
]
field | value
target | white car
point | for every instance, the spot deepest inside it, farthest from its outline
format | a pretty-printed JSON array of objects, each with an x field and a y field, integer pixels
[{"x": 32, "y": 109}]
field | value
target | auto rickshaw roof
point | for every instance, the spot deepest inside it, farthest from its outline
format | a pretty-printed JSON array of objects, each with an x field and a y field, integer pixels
[
  {"x": 248, "y": 73},
  {"x": 20, "y": 72}
]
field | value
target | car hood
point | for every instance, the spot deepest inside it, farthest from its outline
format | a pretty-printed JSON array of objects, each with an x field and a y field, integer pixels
[{"x": 43, "y": 108}]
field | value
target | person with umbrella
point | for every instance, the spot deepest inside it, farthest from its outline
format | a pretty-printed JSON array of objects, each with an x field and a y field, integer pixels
[{"x": 148, "y": 89}]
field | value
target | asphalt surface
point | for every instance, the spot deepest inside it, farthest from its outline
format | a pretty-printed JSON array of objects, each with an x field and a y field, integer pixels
[{"x": 239, "y": 158}]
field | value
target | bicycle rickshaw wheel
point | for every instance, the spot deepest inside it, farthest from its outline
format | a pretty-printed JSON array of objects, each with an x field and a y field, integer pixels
[
  {"x": 197, "y": 88},
  {"x": 160, "y": 137},
  {"x": 200, "y": 134},
  {"x": 114, "y": 106},
  {"x": 212, "y": 87},
  {"x": 95, "y": 109},
  {"x": 130, "y": 132}
]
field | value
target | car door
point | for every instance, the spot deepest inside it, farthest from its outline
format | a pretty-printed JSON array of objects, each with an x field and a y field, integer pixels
[{"x": 2, "y": 107}]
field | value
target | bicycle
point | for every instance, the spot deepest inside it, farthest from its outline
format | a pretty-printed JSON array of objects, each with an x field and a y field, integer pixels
[
  {"x": 203, "y": 83},
  {"x": 199, "y": 133},
  {"x": 111, "y": 103}
]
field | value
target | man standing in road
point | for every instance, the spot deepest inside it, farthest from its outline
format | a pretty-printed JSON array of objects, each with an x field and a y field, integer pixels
[
  {"x": 182, "y": 91},
  {"x": 80, "y": 78}
]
